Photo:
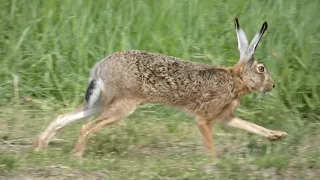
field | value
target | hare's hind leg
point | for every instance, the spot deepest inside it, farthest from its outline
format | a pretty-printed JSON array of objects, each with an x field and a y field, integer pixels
[
  {"x": 253, "y": 128},
  {"x": 114, "y": 112},
  {"x": 81, "y": 112},
  {"x": 205, "y": 127}
]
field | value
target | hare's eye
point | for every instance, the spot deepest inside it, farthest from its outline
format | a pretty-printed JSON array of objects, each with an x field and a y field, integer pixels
[{"x": 261, "y": 69}]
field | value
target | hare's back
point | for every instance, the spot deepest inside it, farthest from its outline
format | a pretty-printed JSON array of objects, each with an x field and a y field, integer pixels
[
  {"x": 165, "y": 79},
  {"x": 144, "y": 67}
]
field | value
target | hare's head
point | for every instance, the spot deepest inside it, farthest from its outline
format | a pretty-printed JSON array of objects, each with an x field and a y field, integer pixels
[{"x": 253, "y": 73}]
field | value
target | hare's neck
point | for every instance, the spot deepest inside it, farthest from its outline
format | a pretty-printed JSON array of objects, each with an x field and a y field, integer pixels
[{"x": 241, "y": 87}]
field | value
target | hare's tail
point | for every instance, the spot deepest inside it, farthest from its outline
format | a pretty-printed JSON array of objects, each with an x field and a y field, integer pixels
[{"x": 93, "y": 92}]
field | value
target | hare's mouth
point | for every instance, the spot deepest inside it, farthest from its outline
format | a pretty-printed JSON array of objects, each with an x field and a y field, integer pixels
[{"x": 264, "y": 90}]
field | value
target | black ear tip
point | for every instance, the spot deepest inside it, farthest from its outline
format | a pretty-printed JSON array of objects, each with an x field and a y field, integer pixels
[
  {"x": 236, "y": 22},
  {"x": 265, "y": 25}
]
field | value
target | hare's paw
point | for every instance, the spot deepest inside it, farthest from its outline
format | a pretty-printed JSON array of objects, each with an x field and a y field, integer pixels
[
  {"x": 40, "y": 143},
  {"x": 277, "y": 135},
  {"x": 212, "y": 169}
]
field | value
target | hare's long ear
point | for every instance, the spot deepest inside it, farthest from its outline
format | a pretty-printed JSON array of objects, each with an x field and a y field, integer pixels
[
  {"x": 242, "y": 39},
  {"x": 256, "y": 39}
]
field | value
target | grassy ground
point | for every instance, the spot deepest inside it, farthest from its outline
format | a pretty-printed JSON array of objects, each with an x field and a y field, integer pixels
[{"x": 46, "y": 52}]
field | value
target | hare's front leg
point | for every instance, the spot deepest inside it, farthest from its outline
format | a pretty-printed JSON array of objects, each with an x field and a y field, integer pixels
[
  {"x": 236, "y": 122},
  {"x": 205, "y": 127}
]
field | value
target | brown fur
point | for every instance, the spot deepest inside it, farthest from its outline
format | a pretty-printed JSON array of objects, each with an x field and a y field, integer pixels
[{"x": 210, "y": 93}]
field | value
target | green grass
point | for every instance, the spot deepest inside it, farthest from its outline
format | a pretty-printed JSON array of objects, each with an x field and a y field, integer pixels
[
  {"x": 50, "y": 46},
  {"x": 7, "y": 162}
]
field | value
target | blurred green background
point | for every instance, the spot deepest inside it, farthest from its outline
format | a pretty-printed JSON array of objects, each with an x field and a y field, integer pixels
[{"x": 47, "y": 49}]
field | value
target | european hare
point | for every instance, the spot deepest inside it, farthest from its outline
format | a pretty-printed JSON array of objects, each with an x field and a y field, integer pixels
[{"x": 122, "y": 81}]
